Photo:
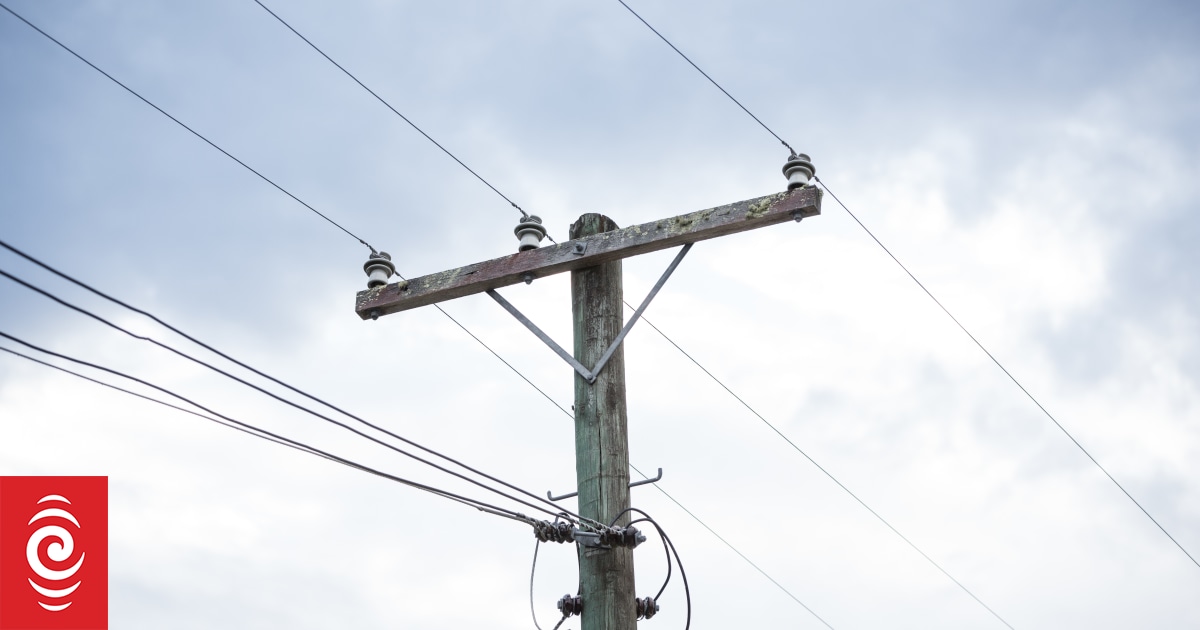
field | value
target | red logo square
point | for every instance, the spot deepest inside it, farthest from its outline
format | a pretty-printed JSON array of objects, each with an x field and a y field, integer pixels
[{"x": 53, "y": 553}]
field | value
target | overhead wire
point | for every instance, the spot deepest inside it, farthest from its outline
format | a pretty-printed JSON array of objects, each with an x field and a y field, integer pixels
[
  {"x": 1010, "y": 376},
  {"x": 789, "y": 441},
  {"x": 242, "y": 163},
  {"x": 710, "y": 79},
  {"x": 506, "y": 363},
  {"x": 250, "y": 429},
  {"x": 532, "y": 572},
  {"x": 464, "y": 328},
  {"x": 185, "y": 126},
  {"x": 733, "y": 548},
  {"x": 1027, "y": 393},
  {"x": 582, "y": 521},
  {"x": 828, "y": 474},
  {"x": 439, "y": 308},
  {"x": 254, "y": 430},
  {"x": 497, "y": 191},
  {"x": 394, "y": 110},
  {"x": 210, "y": 348},
  {"x": 719, "y": 537},
  {"x": 537, "y": 544},
  {"x": 687, "y": 591},
  {"x": 157, "y": 401},
  {"x": 285, "y": 191},
  {"x": 666, "y": 548}
]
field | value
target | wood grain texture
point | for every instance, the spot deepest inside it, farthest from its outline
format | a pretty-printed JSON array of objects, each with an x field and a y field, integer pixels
[
  {"x": 597, "y": 249},
  {"x": 601, "y": 436}
]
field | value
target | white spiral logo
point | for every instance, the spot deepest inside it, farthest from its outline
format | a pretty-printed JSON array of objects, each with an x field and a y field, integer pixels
[{"x": 59, "y": 551}]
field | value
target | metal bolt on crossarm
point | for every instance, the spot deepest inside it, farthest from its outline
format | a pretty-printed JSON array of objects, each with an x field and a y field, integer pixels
[{"x": 379, "y": 268}]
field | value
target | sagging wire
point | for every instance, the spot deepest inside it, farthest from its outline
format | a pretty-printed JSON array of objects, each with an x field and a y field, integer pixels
[
  {"x": 687, "y": 592},
  {"x": 254, "y": 430},
  {"x": 532, "y": 571},
  {"x": 273, "y": 379},
  {"x": 583, "y": 522}
]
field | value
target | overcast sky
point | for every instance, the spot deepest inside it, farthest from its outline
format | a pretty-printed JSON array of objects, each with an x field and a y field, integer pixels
[{"x": 1035, "y": 164}]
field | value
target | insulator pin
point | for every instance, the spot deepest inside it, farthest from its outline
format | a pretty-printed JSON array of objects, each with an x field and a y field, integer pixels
[
  {"x": 530, "y": 232},
  {"x": 379, "y": 268},
  {"x": 799, "y": 170}
]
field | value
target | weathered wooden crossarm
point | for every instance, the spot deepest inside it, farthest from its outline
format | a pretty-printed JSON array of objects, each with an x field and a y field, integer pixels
[{"x": 589, "y": 251}]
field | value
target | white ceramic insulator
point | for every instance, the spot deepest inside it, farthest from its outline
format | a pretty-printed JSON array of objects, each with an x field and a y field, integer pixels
[
  {"x": 377, "y": 276},
  {"x": 797, "y": 177},
  {"x": 530, "y": 239}
]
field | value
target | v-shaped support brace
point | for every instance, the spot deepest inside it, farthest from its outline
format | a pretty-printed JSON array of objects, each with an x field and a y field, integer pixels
[{"x": 590, "y": 375}]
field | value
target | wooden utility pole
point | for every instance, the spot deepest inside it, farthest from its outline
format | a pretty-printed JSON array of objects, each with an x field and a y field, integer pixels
[
  {"x": 601, "y": 438},
  {"x": 593, "y": 256}
]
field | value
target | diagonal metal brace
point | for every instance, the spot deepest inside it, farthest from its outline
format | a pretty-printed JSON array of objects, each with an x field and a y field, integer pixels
[
  {"x": 641, "y": 309},
  {"x": 586, "y": 373},
  {"x": 590, "y": 375}
]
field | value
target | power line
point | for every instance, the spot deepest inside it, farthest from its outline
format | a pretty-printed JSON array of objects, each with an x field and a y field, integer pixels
[
  {"x": 160, "y": 402},
  {"x": 687, "y": 591},
  {"x": 240, "y": 162},
  {"x": 286, "y": 192},
  {"x": 506, "y": 363},
  {"x": 732, "y": 548},
  {"x": 181, "y": 124},
  {"x": 644, "y": 475},
  {"x": 464, "y": 328},
  {"x": 258, "y": 432},
  {"x": 300, "y": 407},
  {"x": 711, "y": 531},
  {"x": 944, "y": 309},
  {"x": 1007, "y": 373},
  {"x": 234, "y": 158},
  {"x": 710, "y": 79},
  {"x": 394, "y": 110},
  {"x": 502, "y": 195},
  {"x": 555, "y": 403},
  {"x": 226, "y": 356},
  {"x": 828, "y": 474}
]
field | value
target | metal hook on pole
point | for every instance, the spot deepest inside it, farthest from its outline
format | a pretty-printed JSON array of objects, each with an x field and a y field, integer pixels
[{"x": 643, "y": 482}]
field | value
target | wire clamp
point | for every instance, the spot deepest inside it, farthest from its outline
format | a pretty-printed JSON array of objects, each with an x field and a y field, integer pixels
[
  {"x": 610, "y": 537},
  {"x": 558, "y": 531}
]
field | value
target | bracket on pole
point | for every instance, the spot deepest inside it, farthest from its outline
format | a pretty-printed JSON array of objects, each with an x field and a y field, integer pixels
[
  {"x": 643, "y": 482},
  {"x": 590, "y": 375}
]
